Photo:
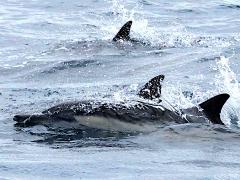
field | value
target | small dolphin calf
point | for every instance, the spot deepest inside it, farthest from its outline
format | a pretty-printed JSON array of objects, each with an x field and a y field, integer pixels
[{"x": 140, "y": 117}]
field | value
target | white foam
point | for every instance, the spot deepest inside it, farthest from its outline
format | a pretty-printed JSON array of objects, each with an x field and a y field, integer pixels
[{"x": 226, "y": 81}]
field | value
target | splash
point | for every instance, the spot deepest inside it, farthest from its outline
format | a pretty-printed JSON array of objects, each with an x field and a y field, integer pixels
[
  {"x": 174, "y": 98},
  {"x": 121, "y": 15},
  {"x": 141, "y": 29},
  {"x": 172, "y": 34},
  {"x": 121, "y": 12},
  {"x": 226, "y": 81}
]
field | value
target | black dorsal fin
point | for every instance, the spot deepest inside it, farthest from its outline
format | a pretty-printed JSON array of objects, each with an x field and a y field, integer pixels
[
  {"x": 152, "y": 89},
  {"x": 123, "y": 33},
  {"x": 213, "y": 106}
]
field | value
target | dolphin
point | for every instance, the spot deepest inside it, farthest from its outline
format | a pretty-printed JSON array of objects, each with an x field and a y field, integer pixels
[
  {"x": 141, "y": 116},
  {"x": 123, "y": 35},
  {"x": 124, "y": 32}
]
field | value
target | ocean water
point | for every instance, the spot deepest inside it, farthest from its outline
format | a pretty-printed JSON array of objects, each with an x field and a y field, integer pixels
[{"x": 58, "y": 51}]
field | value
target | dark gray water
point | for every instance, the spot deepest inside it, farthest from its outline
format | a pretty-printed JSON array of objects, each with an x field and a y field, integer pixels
[{"x": 58, "y": 51}]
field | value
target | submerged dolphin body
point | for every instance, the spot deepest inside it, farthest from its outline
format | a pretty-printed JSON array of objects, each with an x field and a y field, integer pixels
[{"x": 140, "y": 117}]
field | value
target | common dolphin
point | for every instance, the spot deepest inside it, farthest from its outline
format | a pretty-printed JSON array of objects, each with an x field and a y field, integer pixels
[
  {"x": 124, "y": 35},
  {"x": 124, "y": 32},
  {"x": 142, "y": 116}
]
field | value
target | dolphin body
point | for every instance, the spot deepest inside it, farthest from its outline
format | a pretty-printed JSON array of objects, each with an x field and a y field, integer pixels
[{"x": 140, "y": 117}]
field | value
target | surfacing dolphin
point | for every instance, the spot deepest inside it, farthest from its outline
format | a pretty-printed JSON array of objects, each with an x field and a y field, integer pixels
[
  {"x": 124, "y": 35},
  {"x": 140, "y": 117},
  {"x": 124, "y": 32}
]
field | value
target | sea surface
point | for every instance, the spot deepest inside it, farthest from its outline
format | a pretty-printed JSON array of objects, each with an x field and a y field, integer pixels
[{"x": 55, "y": 51}]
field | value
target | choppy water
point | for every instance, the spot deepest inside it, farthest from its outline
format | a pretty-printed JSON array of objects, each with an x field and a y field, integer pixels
[{"x": 57, "y": 51}]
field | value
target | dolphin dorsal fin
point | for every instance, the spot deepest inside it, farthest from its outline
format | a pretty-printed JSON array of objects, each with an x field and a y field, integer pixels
[
  {"x": 123, "y": 33},
  {"x": 152, "y": 89},
  {"x": 213, "y": 106}
]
